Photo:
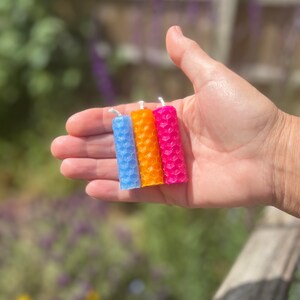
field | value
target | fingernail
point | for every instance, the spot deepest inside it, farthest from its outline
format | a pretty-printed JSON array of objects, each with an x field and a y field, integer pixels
[{"x": 178, "y": 31}]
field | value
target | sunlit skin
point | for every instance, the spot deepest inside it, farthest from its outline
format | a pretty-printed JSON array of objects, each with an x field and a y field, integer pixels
[{"x": 229, "y": 130}]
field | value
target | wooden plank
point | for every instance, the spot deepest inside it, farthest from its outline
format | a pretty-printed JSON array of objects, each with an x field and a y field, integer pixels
[
  {"x": 278, "y": 2},
  {"x": 265, "y": 267},
  {"x": 267, "y": 74},
  {"x": 225, "y": 14}
]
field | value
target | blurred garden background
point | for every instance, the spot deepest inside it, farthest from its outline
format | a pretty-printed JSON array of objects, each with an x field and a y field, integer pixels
[{"x": 58, "y": 57}]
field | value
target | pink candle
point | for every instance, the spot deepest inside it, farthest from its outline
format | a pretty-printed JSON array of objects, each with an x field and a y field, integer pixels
[{"x": 170, "y": 144}]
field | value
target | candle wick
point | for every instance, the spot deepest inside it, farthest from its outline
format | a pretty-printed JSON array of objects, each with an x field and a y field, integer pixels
[
  {"x": 142, "y": 104},
  {"x": 162, "y": 101},
  {"x": 114, "y": 111}
]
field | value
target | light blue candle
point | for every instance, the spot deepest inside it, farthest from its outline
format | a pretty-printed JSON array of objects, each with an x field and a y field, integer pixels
[{"x": 128, "y": 169}]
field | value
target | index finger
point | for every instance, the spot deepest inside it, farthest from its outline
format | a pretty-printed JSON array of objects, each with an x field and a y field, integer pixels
[{"x": 96, "y": 121}]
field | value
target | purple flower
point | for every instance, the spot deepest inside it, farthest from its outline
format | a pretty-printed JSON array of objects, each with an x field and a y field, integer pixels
[
  {"x": 101, "y": 74},
  {"x": 47, "y": 242},
  {"x": 99, "y": 208},
  {"x": 137, "y": 25},
  {"x": 193, "y": 11},
  {"x": 83, "y": 228},
  {"x": 63, "y": 280},
  {"x": 123, "y": 234},
  {"x": 255, "y": 17},
  {"x": 157, "y": 22}
]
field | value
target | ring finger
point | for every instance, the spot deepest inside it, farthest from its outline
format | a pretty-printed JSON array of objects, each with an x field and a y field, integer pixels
[{"x": 89, "y": 169}]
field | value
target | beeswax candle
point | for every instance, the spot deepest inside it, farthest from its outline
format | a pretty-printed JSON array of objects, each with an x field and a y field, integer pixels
[
  {"x": 171, "y": 150},
  {"x": 128, "y": 170},
  {"x": 145, "y": 133}
]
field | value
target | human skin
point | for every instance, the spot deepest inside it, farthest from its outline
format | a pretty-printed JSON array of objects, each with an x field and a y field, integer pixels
[{"x": 241, "y": 150}]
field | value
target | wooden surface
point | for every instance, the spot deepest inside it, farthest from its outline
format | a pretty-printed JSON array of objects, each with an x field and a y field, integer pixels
[
  {"x": 225, "y": 15},
  {"x": 279, "y": 2},
  {"x": 265, "y": 267}
]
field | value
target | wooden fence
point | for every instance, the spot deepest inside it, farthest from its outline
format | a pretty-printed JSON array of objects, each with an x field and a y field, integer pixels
[
  {"x": 264, "y": 269},
  {"x": 262, "y": 43}
]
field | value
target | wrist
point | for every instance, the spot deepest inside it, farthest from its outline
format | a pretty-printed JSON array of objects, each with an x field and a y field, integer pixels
[{"x": 286, "y": 163}]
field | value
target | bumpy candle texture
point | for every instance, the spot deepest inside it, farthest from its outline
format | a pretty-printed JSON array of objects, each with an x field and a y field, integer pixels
[
  {"x": 171, "y": 151},
  {"x": 126, "y": 153},
  {"x": 147, "y": 146}
]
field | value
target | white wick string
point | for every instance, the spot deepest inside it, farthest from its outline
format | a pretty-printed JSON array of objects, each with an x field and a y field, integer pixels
[
  {"x": 162, "y": 101},
  {"x": 114, "y": 111},
  {"x": 142, "y": 104}
]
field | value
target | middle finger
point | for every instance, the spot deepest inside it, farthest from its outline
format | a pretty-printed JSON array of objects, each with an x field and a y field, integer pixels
[{"x": 98, "y": 146}]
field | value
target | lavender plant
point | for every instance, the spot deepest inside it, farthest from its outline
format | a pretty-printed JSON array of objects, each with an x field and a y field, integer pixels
[
  {"x": 82, "y": 249},
  {"x": 71, "y": 249},
  {"x": 102, "y": 77}
]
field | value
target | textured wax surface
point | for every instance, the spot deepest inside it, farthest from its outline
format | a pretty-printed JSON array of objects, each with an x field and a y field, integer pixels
[
  {"x": 126, "y": 154},
  {"x": 147, "y": 147},
  {"x": 171, "y": 150}
]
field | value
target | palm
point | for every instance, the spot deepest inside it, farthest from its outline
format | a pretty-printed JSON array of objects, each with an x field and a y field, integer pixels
[
  {"x": 224, "y": 142},
  {"x": 225, "y": 126}
]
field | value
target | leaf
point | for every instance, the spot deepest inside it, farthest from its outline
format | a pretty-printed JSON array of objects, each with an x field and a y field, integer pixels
[
  {"x": 47, "y": 30},
  {"x": 41, "y": 83}
]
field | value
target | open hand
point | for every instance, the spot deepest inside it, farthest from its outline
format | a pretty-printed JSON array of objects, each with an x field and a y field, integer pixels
[{"x": 228, "y": 130}]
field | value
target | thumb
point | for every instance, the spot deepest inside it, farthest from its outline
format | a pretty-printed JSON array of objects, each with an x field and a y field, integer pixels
[{"x": 188, "y": 56}]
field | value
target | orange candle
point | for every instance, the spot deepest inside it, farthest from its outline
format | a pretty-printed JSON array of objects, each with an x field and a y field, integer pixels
[{"x": 147, "y": 147}]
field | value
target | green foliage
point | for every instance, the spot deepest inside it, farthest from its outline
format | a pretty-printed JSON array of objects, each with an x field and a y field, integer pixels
[
  {"x": 43, "y": 60},
  {"x": 195, "y": 248},
  {"x": 65, "y": 249},
  {"x": 294, "y": 289}
]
